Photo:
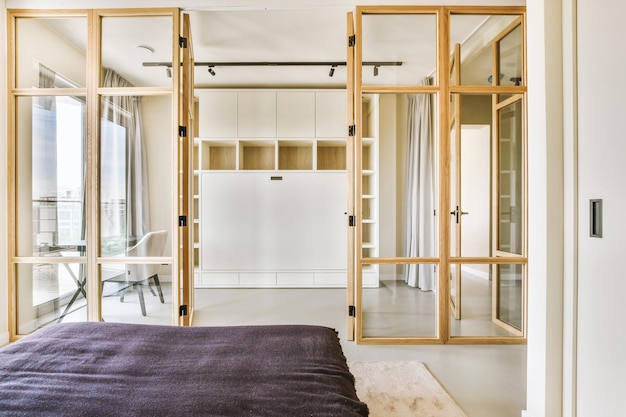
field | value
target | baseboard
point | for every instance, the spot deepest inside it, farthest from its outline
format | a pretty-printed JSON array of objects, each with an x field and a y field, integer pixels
[
  {"x": 4, "y": 338},
  {"x": 475, "y": 272}
]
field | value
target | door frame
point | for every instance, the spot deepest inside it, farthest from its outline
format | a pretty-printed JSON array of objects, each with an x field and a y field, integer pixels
[
  {"x": 443, "y": 90},
  {"x": 92, "y": 91}
]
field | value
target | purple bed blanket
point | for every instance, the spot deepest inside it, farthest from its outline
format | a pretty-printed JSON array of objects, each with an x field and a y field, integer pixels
[{"x": 111, "y": 369}]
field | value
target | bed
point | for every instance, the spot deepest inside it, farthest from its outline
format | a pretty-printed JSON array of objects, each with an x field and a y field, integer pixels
[{"x": 112, "y": 369}]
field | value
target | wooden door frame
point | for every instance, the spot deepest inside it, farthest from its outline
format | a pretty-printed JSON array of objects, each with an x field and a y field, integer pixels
[
  {"x": 187, "y": 116},
  {"x": 93, "y": 93},
  {"x": 442, "y": 90}
]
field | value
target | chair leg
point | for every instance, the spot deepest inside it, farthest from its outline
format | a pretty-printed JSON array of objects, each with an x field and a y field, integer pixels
[
  {"x": 158, "y": 285},
  {"x": 151, "y": 289},
  {"x": 141, "y": 300}
]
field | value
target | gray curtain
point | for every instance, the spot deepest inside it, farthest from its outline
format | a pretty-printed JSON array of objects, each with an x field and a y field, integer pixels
[
  {"x": 126, "y": 111},
  {"x": 420, "y": 192}
]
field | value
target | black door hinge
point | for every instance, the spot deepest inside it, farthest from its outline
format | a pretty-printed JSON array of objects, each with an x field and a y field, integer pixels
[
  {"x": 351, "y": 311},
  {"x": 182, "y": 221},
  {"x": 182, "y": 41},
  {"x": 351, "y": 130},
  {"x": 352, "y": 221},
  {"x": 182, "y": 310},
  {"x": 182, "y": 131},
  {"x": 351, "y": 40}
]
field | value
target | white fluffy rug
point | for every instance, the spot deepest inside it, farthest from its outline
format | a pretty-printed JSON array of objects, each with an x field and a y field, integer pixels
[{"x": 402, "y": 389}]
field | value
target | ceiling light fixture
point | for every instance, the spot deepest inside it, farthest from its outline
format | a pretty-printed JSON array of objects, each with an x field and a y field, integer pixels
[
  {"x": 212, "y": 71},
  {"x": 332, "y": 70},
  {"x": 376, "y": 70},
  {"x": 146, "y": 47},
  {"x": 168, "y": 72}
]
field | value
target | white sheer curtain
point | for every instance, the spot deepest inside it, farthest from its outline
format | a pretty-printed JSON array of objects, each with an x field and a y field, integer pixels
[
  {"x": 126, "y": 111},
  {"x": 420, "y": 192}
]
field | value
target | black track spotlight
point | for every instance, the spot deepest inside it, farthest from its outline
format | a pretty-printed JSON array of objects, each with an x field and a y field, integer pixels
[
  {"x": 332, "y": 71},
  {"x": 211, "y": 71},
  {"x": 376, "y": 70},
  {"x": 168, "y": 72}
]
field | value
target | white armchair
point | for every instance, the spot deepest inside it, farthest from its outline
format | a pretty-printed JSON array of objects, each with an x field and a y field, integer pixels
[{"x": 138, "y": 275}]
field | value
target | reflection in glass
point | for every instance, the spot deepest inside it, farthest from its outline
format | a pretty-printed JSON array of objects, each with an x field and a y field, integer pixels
[
  {"x": 510, "y": 57},
  {"x": 407, "y": 39},
  {"x": 136, "y": 293},
  {"x": 51, "y": 184},
  {"x": 126, "y": 178},
  {"x": 125, "y": 48},
  {"x": 511, "y": 179},
  {"x": 476, "y": 302},
  {"x": 510, "y": 293},
  {"x": 395, "y": 309},
  {"x": 54, "y": 43},
  {"x": 400, "y": 197},
  {"x": 475, "y": 35},
  {"x": 48, "y": 293}
]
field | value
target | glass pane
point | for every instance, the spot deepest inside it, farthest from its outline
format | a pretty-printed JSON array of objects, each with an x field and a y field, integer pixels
[
  {"x": 49, "y": 293},
  {"x": 510, "y": 57},
  {"x": 470, "y": 177},
  {"x": 50, "y": 175},
  {"x": 454, "y": 73},
  {"x": 511, "y": 173},
  {"x": 511, "y": 295},
  {"x": 137, "y": 293},
  {"x": 51, "y": 52},
  {"x": 476, "y": 302},
  {"x": 135, "y": 174},
  {"x": 475, "y": 34},
  {"x": 399, "y": 176},
  {"x": 399, "y": 49},
  {"x": 397, "y": 308},
  {"x": 129, "y": 42}
]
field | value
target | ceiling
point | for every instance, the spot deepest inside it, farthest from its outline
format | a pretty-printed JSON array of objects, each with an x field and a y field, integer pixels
[{"x": 132, "y": 45}]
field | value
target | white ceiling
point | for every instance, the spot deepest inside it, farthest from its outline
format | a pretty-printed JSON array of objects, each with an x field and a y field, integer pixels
[{"x": 283, "y": 36}]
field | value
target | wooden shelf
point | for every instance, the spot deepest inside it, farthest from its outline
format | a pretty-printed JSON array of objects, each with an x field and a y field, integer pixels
[
  {"x": 295, "y": 155},
  {"x": 331, "y": 155},
  {"x": 257, "y": 155}
]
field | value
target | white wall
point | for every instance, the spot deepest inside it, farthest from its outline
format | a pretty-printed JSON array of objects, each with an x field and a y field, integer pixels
[
  {"x": 602, "y": 153},
  {"x": 475, "y": 195},
  {"x": 157, "y": 113},
  {"x": 545, "y": 177},
  {"x": 388, "y": 187}
]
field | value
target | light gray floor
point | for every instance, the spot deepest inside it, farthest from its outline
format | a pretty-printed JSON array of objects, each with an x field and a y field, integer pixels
[{"x": 485, "y": 380}]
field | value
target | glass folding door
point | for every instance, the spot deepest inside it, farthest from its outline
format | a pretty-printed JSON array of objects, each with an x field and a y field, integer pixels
[
  {"x": 49, "y": 125},
  {"x": 397, "y": 186},
  {"x": 91, "y": 184},
  {"x": 440, "y": 175}
]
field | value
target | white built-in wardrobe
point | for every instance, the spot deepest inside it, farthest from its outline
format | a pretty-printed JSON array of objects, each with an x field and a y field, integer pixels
[{"x": 272, "y": 189}]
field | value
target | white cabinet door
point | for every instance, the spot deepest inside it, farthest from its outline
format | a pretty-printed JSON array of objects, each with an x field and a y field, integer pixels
[
  {"x": 330, "y": 114},
  {"x": 253, "y": 223},
  {"x": 295, "y": 114},
  {"x": 217, "y": 114},
  {"x": 256, "y": 114}
]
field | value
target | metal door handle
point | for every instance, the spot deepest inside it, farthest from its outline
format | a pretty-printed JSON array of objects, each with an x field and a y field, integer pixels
[{"x": 457, "y": 213}]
